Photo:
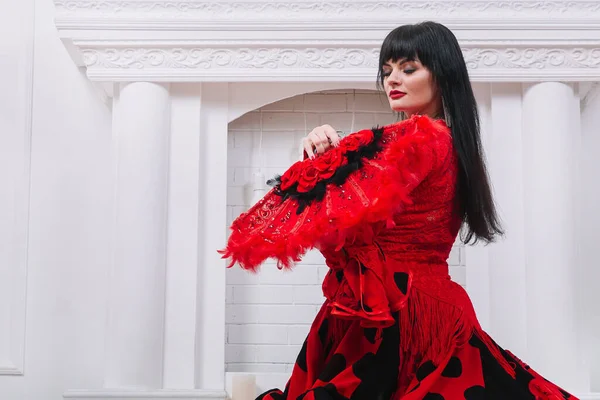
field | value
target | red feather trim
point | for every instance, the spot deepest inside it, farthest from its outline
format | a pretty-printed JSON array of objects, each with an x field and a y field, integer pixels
[{"x": 348, "y": 212}]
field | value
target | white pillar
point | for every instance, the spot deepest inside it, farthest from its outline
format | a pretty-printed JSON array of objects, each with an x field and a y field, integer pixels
[
  {"x": 195, "y": 301},
  {"x": 477, "y": 256},
  {"x": 183, "y": 245},
  {"x": 588, "y": 196},
  {"x": 134, "y": 352},
  {"x": 550, "y": 128},
  {"x": 210, "y": 328},
  {"x": 507, "y": 257}
]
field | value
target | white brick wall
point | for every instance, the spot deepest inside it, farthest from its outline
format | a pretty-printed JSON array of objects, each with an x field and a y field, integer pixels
[{"x": 269, "y": 313}]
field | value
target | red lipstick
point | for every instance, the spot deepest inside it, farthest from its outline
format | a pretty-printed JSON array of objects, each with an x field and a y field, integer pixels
[{"x": 396, "y": 94}]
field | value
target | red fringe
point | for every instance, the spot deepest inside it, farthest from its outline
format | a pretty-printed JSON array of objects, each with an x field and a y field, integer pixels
[{"x": 431, "y": 329}]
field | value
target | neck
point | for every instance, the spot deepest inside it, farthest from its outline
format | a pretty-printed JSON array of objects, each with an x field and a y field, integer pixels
[{"x": 434, "y": 110}]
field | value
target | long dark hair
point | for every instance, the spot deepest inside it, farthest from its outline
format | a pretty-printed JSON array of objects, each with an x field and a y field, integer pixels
[{"x": 436, "y": 47}]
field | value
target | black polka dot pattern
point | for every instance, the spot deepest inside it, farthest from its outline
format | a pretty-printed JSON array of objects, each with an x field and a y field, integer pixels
[
  {"x": 328, "y": 392},
  {"x": 301, "y": 360},
  {"x": 401, "y": 280},
  {"x": 370, "y": 334},
  {"x": 378, "y": 373},
  {"x": 475, "y": 393},
  {"x": 453, "y": 369},
  {"x": 362, "y": 368},
  {"x": 324, "y": 331},
  {"x": 273, "y": 394},
  {"x": 433, "y": 396},
  {"x": 425, "y": 370},
  {"x": 334, "y": 366}
]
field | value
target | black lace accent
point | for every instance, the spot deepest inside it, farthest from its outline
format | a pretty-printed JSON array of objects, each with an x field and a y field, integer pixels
[{"x": 355, "y": 162}]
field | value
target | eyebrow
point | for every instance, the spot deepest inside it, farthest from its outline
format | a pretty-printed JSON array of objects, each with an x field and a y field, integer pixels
[{"x": 399, "y": 62}]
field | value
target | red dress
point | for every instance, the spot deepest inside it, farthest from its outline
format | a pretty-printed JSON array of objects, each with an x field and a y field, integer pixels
[{"x": 381, "y": 208}]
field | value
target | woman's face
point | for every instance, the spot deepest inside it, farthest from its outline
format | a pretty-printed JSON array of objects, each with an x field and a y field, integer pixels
[{"x": 410, "y": 88}]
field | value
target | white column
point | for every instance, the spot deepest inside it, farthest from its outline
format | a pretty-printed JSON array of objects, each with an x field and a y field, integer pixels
[
  {"x": 210, "y": 329},
  {"x": 183, "y": 230},
  {"x": 134, "y": 352},
  {"x": 589, "y": 217},
  {"x": 550, "y": 128},
  {"x": 477, "y": 256},
  {"x": 195, "y": 301},
  {"x": 507, "y": 256},
  {"x": 195, "y": 304}
]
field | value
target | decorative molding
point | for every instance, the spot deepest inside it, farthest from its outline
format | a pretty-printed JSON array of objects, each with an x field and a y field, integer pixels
[
  {"x": 108, "y": 394},
  {"x": 326, "y": 10},
  {"x": 533, "y": 58},
  {"x": 238, "y": 58},
  {"x": 326, "y": 58},
  {"x": 326, "y": 63}
]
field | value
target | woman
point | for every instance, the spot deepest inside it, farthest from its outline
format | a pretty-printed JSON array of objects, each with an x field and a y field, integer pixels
[{"x": 385, "y": 206}]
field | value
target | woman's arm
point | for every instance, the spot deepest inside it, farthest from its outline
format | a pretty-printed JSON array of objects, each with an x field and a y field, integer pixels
[{"x": 341, "y": 195}]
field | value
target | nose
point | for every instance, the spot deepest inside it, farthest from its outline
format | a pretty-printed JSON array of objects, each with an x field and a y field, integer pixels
[{"x": 394, "y": 78}]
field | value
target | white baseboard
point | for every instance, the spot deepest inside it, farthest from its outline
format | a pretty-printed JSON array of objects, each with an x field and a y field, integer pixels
[
  {"x": 588, "y": 396},
  {"x": 266, "y": 381},
  {"x": 145, "y": 394}
]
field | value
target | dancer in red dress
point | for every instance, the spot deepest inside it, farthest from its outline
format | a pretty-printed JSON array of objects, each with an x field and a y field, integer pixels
[{"x": 384, "y": 206}]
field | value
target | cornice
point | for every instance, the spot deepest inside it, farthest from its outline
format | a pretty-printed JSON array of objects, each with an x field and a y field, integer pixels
[
  {"x": 289, "y": 10},
  {"x": 185, "y": 41}
]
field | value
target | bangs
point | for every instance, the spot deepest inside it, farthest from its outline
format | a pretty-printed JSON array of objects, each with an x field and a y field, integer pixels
[{"x": 400, "y": 44}]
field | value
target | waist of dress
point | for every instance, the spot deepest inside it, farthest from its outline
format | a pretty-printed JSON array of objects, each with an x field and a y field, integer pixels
[
  {"x": 418, "y": 263},
  {"x": 367, "y": 284}
]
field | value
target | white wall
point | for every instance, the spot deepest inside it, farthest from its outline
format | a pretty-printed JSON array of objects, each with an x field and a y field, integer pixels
[
  {"x": 269, "y": 314},
  {"x": 69, "y": 210},
  {"x": 589, "y": 218}
]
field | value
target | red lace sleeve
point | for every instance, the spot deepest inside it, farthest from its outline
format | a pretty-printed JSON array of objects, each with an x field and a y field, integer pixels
[{"x": 338, "y": 197}]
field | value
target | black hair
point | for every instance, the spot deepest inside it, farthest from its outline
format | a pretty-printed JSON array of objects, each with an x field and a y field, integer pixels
[{"x": 437, "y": 49}]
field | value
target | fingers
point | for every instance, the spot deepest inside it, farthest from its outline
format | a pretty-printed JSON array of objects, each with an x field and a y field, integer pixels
[
  {"x": 331, "y": 134},
  {"x": 308, "y": 147},
  {"x": 319, "y": 140}
]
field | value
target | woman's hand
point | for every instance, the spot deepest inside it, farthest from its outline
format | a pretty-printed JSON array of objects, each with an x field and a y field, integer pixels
[{"x": 319, "y": 140}]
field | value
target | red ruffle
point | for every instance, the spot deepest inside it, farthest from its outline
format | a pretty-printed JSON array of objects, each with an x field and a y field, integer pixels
[{"x": 349, "y": 212}]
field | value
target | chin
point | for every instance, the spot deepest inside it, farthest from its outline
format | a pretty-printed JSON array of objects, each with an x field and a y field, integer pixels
[
  {"x": 397, "y": 105},
  {"x": 397, "y": 109}
]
